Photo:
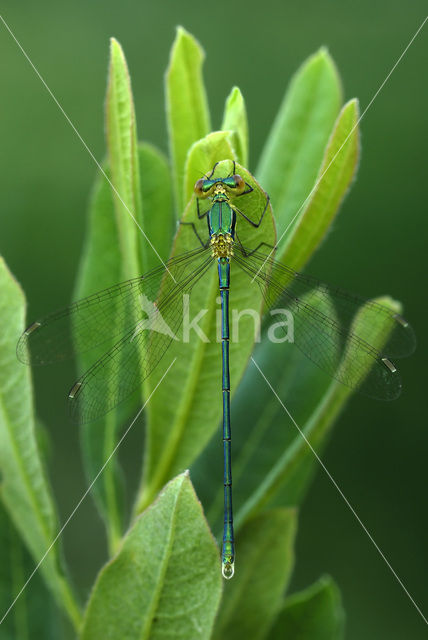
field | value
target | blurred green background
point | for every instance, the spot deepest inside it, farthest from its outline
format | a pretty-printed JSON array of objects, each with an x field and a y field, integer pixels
[{"x": 378, "y": 454}]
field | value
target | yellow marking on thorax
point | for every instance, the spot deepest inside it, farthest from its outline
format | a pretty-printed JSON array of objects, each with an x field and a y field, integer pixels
[{"x": 222, "y": 246}]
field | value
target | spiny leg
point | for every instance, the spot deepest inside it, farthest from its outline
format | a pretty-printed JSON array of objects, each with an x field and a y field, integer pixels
[
  {"x": 198, "y": 211},
  {"x": 251, "y": 222},
  {"x": 247, "y": 253},
  {"x": 195, "y": 231}
]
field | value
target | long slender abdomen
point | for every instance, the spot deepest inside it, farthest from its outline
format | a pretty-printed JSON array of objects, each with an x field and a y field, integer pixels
[{"x": 228, "y": 551}]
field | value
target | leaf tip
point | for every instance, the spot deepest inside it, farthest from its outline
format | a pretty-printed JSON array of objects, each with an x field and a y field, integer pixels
[
  {"x": 323, "y": 50},
  {"x": 323, "y": 57},
  {"x": 235, "y": 92},
  {"x": 117, "y": 59},
  {"x": 115, "y": 47},
  {"x": 181, "y": 32},
  {"x": 185, "y": 38},
  {"x": 352, "y": 105}
]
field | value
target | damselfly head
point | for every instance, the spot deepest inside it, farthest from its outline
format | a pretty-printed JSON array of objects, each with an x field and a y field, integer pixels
[{"x": 232, "y": 185}]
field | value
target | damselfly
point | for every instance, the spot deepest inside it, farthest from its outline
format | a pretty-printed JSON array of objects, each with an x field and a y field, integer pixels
[{"x": 142, "y": 334}]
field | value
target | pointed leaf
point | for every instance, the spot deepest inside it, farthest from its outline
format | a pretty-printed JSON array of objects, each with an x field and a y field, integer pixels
[
  {"x": 264, "y": 562},
  {"x": 313, "y": 614},
  {"x": 101, "y": 266},
  {"x": 165, "y": 581},
  {"x": 186, "y": 105},
  {"x": 337, "y": 171},
  {"x": 235, "y": 120},
  {"x": 123, "y": 161},
  {"x": 24, "y": 489},
  {"x": 156, "y": 194},
  {"x": 293, "y": 153}
]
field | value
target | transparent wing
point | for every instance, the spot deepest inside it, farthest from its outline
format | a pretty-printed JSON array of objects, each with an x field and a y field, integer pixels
[
  {"x": 123, "y": 368},
  {"x": 321, "y": 336},
  {"x": 95, "y": 320}
]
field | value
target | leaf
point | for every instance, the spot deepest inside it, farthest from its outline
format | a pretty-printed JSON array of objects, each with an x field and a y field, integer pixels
[
  {"x": 294, "y": 150},
  {"x": 186, "y": 408},
  {"x": 337, "y": 171},
  {"x": 24, "y": 490},
  {"x": 264, "y": 562},
  {"x": 33, "y": 615},
  {"x": 165, "y": 581},
  {"x": 123, "y": 161},
  {"x": 235, "y": 120},
  {"x": 313, "y": 614},
  {"x": 186, "y": 105},
  {"x": 156, "y": 195},
  {"x": 294, "y": 465},
  {"x": 101, "y": 267}
]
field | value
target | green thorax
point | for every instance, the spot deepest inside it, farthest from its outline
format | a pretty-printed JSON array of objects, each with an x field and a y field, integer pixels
[{"x": 221, "y": 217}]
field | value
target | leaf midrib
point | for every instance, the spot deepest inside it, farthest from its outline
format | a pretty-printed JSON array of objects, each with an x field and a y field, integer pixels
[{"x": 146, "y": 630}]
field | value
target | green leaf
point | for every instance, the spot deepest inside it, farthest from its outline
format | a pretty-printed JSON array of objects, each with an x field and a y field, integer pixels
[
  {"x": 313, "y": 614},
  {"x": 24, "y": 490},
  {"x": 186, "y": 105},
  {"x": 165, "y": 581},
  {"x": 235, "y": 120},
  {"x": 34, "y": 614},
  {"x": 156, "y": 195},
  {"x": 123, "y": 161},
  {"x": 337, "y": 171},
  {"x": 186, "y": 408},
  {"x": 294, "y": 150},
  {"x": 101, "y": 267},
  {"x": 265, "y": 559},
  {"x": 292, "y": 470}
]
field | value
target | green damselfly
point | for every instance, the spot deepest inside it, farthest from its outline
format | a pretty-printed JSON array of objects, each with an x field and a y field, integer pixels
[{"x": 118, "y": 316}]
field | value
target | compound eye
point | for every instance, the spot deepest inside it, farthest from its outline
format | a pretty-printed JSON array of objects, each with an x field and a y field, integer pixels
[
  {"x": 199, "y": 187},
  {"x": 239, "y": 183}
]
